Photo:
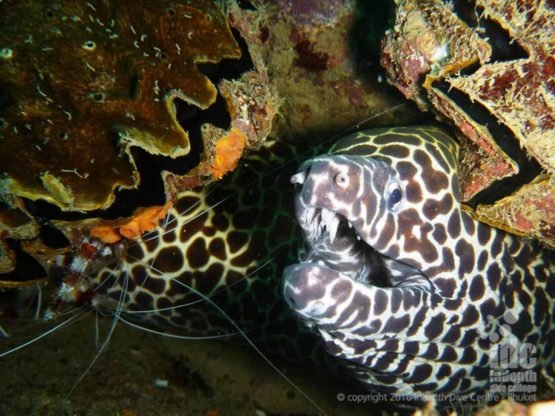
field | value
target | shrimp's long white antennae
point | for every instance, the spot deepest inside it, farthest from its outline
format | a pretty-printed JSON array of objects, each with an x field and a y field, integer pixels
[
  {"x": 44, "y": 334},
  {"x": 108, "y": 336},
  {"x": 243, "y": 335}
]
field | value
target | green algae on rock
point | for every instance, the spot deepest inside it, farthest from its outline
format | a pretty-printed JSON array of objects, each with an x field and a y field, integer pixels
[{"x": 81, "y": 82}]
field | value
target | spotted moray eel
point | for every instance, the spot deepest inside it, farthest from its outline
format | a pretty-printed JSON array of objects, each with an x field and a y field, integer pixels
[
  {"x": 401, "y": 282},
  {"x": 406, "y": 305}
]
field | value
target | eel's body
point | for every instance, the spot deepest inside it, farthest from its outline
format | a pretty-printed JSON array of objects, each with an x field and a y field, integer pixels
[{"x": 404, "y": 284}]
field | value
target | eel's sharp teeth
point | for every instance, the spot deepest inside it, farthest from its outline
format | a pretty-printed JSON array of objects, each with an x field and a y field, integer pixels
[
  {"x": 327, "y": 216},
  {"x": 312, "y": 220},
  {"x": 333, "y": 226},
  {"x": 331, "y": 222},
  {"x": 308, "y": 215},
  {"x": 319, "y": 223}
]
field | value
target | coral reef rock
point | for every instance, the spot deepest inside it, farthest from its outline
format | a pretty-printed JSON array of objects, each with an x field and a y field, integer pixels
[
  {"x": 488, "y": 68},
  {"x": 82, "y": 82},
  {"x": 308, "y": 48}
]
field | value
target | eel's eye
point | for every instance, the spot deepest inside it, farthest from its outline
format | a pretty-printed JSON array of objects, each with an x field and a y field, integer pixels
[
  {"x": 341, "y": 179},
  {"x": 394, "y": 196}
]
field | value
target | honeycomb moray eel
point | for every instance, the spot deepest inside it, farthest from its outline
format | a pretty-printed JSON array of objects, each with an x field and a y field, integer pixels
[
  {"x": 403, "y": 284},
  {"x": 408, "y": 303}
]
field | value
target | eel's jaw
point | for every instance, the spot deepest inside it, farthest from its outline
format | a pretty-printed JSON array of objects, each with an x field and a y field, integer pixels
[
  {"x": 307, "y": 290},
  {"x": 317, "y": 221},
  {"x": 338, "y": 261},
  {"x": 334, "y": 242},
  {"x": 318, "y": 209},
  {"x": 337, "y": 256}
]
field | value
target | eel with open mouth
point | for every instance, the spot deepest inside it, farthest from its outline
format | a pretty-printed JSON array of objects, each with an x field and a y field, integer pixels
[{"x": 403, "y": 284}]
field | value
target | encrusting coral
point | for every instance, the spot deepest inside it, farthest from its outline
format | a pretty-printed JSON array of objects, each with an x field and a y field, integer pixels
[
  {"x": 487, "y": 67},
  {"x": 81, "y": 82},
  {"x": 144, "y": 220}
]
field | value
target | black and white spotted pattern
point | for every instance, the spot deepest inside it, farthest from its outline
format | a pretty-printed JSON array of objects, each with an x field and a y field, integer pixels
[{"x": 399, "y": 280}]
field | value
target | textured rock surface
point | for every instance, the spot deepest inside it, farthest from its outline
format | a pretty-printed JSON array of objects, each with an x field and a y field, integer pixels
[
  {"x": 488, "y": 68},
  {"x": 81, "y": 82},
  {"x": 309, "y": 50}
]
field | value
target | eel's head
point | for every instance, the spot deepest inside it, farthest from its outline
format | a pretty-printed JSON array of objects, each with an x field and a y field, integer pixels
[
  {"x": 384, "y": 206},
  {"x": 347, "y": 207},
  {"x": 376, "y": 281},
  {"x": 343, "y": 190}
]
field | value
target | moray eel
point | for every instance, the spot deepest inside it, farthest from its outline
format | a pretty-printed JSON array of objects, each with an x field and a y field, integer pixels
[{"x": 402, "y": 284}]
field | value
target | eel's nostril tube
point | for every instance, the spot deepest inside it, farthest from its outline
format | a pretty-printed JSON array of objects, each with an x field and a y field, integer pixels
[{"x": 298, "y": 178}]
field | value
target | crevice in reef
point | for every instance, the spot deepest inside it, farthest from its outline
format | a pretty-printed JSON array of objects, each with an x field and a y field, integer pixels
[
  {"x": 371, "y": 20},
  {"x": 504, "y": 48},
  {"x": 229, "y": 68},
  {"x": 52, "y": 237},
  {"x": 26, "y": 267},
  {"x": 245, "y": 5},
  {"x": 504, "y": 138}
]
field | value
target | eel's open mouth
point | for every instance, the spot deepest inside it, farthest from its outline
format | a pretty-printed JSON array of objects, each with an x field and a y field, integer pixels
[
  {"x": 333, "y": 242},
  {"x": 317, "y": 222}
]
